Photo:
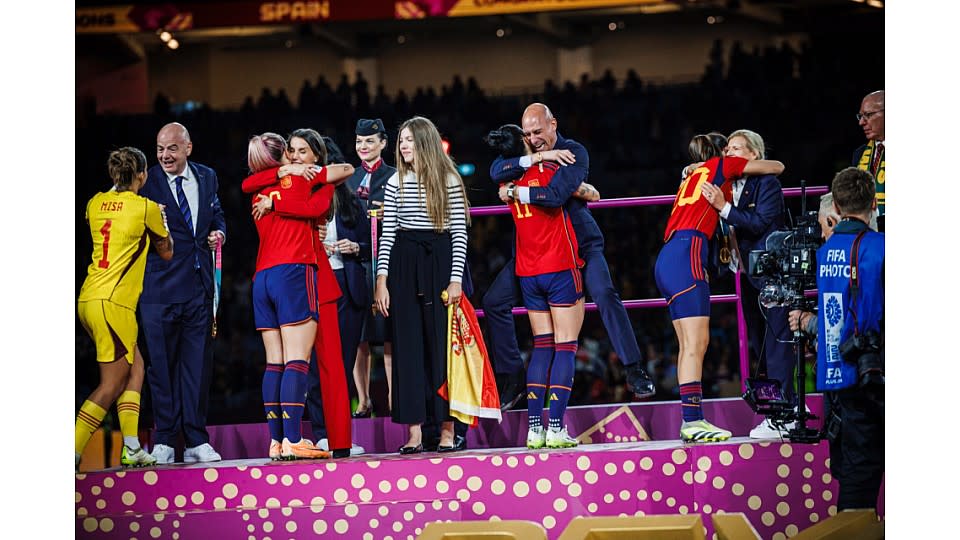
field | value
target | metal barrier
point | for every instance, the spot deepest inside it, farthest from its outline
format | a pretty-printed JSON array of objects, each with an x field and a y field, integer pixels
[{"x": 654, "y": 200}]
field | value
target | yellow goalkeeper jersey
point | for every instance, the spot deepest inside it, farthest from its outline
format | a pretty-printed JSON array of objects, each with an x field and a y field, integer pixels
[{"x": 119, "y": 222}]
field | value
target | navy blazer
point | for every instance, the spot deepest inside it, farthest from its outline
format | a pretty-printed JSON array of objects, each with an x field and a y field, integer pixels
[
  {"x": 560, "y": 190},
  {"x": 759, "y": 212},
  {"x": 354, "y": 273},
  {"x": 168, "y": 282},
  {"x": 378, "y": 183}
]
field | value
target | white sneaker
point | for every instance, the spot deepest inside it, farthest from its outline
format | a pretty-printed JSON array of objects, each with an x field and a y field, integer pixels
[
  {"x": 766, "y": 430},
  {"x": 355, "y": 450},
  {"x": 163, "y": 454},
  {"x": 201, "y": 454}
]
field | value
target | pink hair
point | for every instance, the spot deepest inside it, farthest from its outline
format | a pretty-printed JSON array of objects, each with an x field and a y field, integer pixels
[{"x": 265, "y": 151}]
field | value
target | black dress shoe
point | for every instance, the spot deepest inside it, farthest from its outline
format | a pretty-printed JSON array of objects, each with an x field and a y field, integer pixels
[
  {"x": 638, "y": 381},
  {"x": 341, "y": 453},
  {"x": 365, "y": 413},
  {"x": 459, "y": 443},
  {"x": 404, "y": 450},
  {"x": 510, "y": 387}
]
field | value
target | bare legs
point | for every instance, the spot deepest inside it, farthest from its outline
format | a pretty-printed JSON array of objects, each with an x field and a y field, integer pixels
[
  {"x": 361, "y": 374},
  {"x": 361, "y": 377}
]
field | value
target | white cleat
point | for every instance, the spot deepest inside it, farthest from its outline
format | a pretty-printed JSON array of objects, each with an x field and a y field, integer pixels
[{"x": 560, "y": 439}]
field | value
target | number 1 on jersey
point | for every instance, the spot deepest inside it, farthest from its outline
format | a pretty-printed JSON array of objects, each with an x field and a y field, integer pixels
[{"x": 105, "y": 231}]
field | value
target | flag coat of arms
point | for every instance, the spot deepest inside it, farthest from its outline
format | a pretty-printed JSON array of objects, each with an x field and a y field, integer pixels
[{"x": 471, "y": 387}]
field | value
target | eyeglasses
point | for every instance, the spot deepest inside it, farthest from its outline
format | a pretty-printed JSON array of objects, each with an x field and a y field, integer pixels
[{"x": 868, "y": 115}]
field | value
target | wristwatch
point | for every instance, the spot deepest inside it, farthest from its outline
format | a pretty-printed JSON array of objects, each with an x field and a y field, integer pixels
[{"x": 511, "y": 190}]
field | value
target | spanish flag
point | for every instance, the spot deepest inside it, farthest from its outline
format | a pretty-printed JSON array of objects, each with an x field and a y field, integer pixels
[{"x": 471, "y": 387}]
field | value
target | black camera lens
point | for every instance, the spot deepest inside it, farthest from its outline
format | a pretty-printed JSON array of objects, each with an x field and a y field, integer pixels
[{"x": 870, "y": 369}]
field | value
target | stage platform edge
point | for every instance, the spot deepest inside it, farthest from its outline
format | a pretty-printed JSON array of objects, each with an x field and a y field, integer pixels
[{"x": 781, "y": 487}]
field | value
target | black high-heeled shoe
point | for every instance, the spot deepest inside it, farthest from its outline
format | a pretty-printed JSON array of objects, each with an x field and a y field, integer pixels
[
  {"x": 459, "y": 443},
  {"x": 365, "y": 413},
  {"x": 404, "y": 450}
]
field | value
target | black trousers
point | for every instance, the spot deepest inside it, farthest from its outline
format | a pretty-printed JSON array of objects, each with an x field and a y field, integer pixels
[
  {"x": 768, "y": 337},
  {"x": 420, "y": 264},
  {"x": 857, "y": 452}
]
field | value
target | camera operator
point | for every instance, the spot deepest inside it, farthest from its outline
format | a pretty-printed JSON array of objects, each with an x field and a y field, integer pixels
[{"x": 850, "y": 281}]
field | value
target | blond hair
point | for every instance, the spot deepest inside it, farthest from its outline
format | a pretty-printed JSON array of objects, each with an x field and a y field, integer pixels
[
  {"x": 754, "y": 142},
  {"x": 432, "y": 169}
]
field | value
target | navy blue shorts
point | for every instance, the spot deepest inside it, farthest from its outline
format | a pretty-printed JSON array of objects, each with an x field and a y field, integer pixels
[
  {"x": 681, "y": 276},
  {"x": 557, "y": 289},
  {"x": 284, "y": 295}
]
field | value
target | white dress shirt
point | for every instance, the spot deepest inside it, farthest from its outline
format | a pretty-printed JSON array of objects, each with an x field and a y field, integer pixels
[
  {"x": 190, "y": 188},
  {"x": 336, "y": 260},
  {"x": 734, "y": 251}
]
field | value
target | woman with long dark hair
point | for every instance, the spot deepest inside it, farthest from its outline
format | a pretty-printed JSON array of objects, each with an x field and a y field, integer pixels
[{"x": 286, "y": 296}]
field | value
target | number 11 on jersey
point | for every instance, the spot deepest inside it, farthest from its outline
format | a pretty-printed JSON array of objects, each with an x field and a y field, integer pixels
[{"x": 525, "y": 213}]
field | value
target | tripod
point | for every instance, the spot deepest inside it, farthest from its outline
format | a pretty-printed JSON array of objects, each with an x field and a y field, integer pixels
[{"x": 800, "y": 432}]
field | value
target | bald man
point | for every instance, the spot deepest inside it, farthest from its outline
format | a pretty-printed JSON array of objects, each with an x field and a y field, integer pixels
[
  {"x": 568, "y": 189},
  {"x": 871, "y": 157},
  {"x": 177, "y": 300}
]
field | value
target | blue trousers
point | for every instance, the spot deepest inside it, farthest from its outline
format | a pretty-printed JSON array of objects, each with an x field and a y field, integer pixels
[
  {"x": 179, "y": 368},
  {"x": 504, "y": 293}
]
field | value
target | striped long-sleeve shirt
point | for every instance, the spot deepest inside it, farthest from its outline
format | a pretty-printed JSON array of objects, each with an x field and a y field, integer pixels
[{"x": 411, "y": 213}]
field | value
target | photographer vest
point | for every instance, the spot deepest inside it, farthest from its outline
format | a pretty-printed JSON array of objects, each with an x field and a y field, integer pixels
[{"x": 838, "y": 316}]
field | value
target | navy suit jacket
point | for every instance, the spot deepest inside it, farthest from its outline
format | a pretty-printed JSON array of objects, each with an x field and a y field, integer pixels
[
  {"x": 759, "y": 212},
  {"x": 355, "y": 276},
  {"x": 378, "y": 184},
  {"x": 170, "y": 282},
  {"x": 560, "y": 191}
]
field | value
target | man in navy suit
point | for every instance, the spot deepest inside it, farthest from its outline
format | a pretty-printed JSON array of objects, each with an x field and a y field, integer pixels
[
  {"x": 757, "y": 211},
  {"x": 540, "y": 131},
  {"x": 177, "y": 300}
]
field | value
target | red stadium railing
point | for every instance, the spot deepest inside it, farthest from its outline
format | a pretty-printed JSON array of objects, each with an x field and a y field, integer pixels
[{"x": 654, "y": 200}]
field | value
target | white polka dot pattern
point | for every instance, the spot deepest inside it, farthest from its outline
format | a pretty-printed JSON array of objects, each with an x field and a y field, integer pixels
[{"x": 782, "y": 488}]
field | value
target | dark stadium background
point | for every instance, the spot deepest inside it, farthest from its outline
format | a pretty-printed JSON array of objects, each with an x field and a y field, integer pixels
[{"x": 796, "y": 78}]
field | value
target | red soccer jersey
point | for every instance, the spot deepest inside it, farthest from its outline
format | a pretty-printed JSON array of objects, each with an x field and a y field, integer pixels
[
  {"x": 290, "y": 240},
  {"x": 690, "y": 209},
  {"x": 545, "y": 239}
]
